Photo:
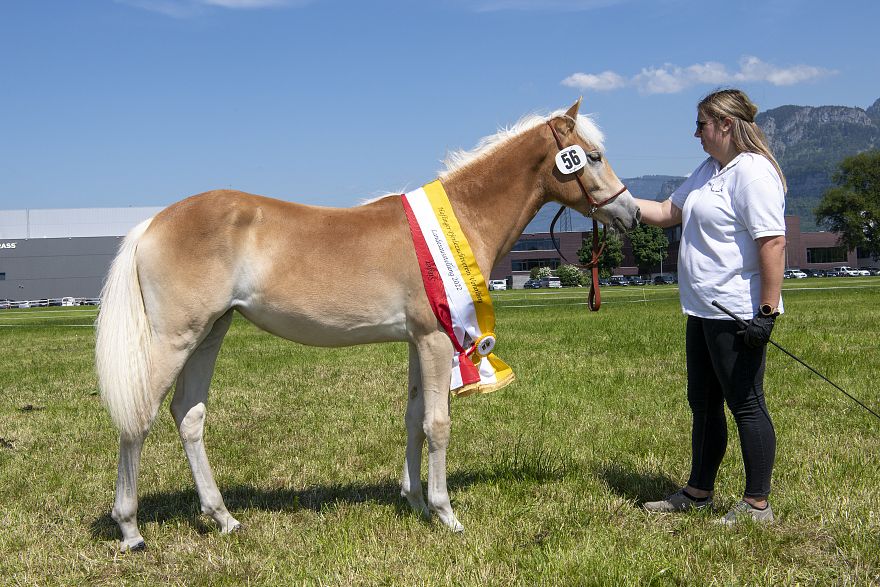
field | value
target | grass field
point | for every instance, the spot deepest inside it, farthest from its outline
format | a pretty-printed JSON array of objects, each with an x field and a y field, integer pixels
[{"x": 547, "y": 475}]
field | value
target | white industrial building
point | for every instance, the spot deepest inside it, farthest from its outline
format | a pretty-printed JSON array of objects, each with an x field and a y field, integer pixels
[{"x": 61, "y": 252}]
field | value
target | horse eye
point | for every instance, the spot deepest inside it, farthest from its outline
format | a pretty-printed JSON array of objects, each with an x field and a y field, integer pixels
[{"x": 594, "y": 156}]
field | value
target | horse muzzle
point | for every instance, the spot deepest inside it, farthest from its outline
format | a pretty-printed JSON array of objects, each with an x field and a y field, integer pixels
[{"x": 623, "y": 214}]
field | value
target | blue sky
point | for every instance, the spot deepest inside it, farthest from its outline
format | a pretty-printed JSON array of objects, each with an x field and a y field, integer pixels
[{"x": 144, "y": 102}]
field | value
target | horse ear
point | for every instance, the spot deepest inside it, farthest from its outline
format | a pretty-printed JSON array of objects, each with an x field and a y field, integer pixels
[
  {"x": 567, "y": 121},
  {"x": 573, "y": 111}
]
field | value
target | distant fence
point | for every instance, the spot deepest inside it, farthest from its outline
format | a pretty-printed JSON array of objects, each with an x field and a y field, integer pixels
[{"x": 46, "y": 302}]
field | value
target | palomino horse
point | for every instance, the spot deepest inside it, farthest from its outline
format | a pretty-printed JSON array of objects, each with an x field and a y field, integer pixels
[{"x": 172, "y": 288}]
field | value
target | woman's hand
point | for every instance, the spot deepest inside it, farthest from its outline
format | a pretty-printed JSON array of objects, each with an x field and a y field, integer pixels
[
  {"x": 662, "y": 214},
  {"x": 757, "y": 332}
]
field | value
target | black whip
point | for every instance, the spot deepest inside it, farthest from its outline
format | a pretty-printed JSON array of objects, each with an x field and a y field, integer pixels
[{"x": 743, "y": 323}]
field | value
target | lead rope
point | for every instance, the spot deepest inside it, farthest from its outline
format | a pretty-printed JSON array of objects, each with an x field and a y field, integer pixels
[{"x": 595, "y": 297}]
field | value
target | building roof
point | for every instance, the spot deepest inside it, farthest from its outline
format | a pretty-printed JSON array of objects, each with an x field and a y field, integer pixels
[{"x": 71, "y": 222}]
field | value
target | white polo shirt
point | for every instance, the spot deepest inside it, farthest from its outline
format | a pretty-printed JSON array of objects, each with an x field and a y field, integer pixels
[{"x": 723, "y": 212}]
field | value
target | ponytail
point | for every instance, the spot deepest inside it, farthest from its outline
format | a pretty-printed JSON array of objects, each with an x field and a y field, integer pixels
[{"x": 747, "y": 137}]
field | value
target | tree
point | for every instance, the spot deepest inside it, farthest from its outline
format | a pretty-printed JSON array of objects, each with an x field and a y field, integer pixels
[
  {"x": 611, "y": 257},
  {"x": 569, "y": 276},
  {"x": 539, "y": 272},
  {"x": 853, "y": 207},
  {"x": 650, "y": 246}
]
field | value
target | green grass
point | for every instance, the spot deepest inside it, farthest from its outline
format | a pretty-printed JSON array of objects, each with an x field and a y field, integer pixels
[{"x": 547, "y": 475}]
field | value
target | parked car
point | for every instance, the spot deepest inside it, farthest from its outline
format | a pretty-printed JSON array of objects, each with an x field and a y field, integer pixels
[
  {"x": 664, "y": 280},
  {"x": 863, "y": 272},
  {"x": 532, "y": 284},
  {"x": 814, "y": 272},
  {"x": 69, "y": 301},
  {"x": 794, "y": 274},
  {"x": 846, "y": 271},
  {"x": 5, "y": 304},
  {"x": 873, "y": 270},
  {"x": 618, "y": 280},
  {"x": 551, "y": 282},
  {"x": 636, "y": 280},
  {"x": 497, "y": 284}
]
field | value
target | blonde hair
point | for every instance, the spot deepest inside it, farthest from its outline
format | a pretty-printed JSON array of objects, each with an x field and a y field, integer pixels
[{"x": 747, "y": 137}]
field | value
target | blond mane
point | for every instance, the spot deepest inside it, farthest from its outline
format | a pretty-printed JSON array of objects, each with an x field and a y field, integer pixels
[{"x": 459, "y": 159}]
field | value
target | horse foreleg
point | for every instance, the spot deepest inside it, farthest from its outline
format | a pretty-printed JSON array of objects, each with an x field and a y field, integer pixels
[
  {"x": 435, "y": 352},
  {"x": 411, "y": 481},
  {"x": 189, "y": 408}
]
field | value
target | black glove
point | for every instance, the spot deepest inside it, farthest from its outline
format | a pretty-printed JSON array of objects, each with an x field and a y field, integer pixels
[{"x": 757, "y": 332}]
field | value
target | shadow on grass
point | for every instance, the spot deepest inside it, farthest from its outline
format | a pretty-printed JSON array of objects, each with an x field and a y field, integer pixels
[
  {"x": 184, "y": 505},
  {"x": 638, "y": 486}
]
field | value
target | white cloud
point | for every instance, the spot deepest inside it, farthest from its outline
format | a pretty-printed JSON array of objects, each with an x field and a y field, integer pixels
[
  {"x": 710, "y": 72},
  {"x": 752, "y": 68},
  {"x": 671, "y": 79},
  {"x": 602, "y": 82},
  {"x": 668, "y": 79}
]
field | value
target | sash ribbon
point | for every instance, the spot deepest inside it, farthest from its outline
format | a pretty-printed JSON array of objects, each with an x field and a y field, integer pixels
[{"x": 456, "y": 290}]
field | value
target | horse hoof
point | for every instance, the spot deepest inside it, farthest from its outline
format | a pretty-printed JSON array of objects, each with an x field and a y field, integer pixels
[
  {"x": 453, "y": 524},
  {"x": 234, "y": 526},
  {"x": 137, "y": 545}
]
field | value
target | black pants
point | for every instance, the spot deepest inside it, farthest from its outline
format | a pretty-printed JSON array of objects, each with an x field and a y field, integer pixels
[{"x": 722, "y": 369}]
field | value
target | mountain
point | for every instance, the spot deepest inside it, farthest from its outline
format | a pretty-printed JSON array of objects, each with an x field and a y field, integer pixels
[
  {"x": 809, "y": 143},
  {"x": 653, "y": 187}
]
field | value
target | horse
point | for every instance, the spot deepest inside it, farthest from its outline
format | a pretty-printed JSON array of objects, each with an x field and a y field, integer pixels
[{"x": 178, "y": 277}]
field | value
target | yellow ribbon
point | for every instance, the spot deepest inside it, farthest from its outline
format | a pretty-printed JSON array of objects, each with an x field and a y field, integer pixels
[{"x": 476, "y": 287}]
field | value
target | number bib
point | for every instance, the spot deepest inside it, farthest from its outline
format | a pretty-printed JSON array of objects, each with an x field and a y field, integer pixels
[{"x": 570, "y": 159}]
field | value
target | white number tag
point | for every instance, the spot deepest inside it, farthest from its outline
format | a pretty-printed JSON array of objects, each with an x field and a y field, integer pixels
[{"x": 570, "y": 159}]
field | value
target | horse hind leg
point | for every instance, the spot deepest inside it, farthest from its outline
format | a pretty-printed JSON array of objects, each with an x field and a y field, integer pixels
[
  {"x": 189, "y": 408},
  {"x": 166, "y": 365},
  {"x": 126, "y": 503},
  {"x": 411, "y": 481}
]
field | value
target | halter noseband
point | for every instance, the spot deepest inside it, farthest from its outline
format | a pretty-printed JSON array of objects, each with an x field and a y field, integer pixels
[{"x": 595, "y": 298}]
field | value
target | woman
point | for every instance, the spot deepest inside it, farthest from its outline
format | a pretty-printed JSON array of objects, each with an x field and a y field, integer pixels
[{"x": 732, "y": 251}]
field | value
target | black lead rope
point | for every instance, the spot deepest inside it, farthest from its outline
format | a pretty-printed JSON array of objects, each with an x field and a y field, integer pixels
[
  {"x": 743, "y": 323},
  {"x": 553, "y": 236}
]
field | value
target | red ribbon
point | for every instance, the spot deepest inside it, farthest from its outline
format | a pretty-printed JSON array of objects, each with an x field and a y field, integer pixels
[{"x": 436, "y": 292}]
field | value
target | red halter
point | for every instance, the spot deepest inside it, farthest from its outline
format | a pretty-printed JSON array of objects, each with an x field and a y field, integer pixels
[{"x": 595, "y": 298}]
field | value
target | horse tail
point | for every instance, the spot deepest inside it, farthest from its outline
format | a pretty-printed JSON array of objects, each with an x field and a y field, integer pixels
[{"x": 122, "y": 347}]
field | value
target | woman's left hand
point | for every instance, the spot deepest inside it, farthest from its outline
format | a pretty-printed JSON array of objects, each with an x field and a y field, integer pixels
[{"x": 757, "y": 333}]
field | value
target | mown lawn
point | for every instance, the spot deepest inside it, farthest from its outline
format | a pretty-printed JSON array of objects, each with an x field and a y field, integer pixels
[{"x": 547, "y": 475}]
